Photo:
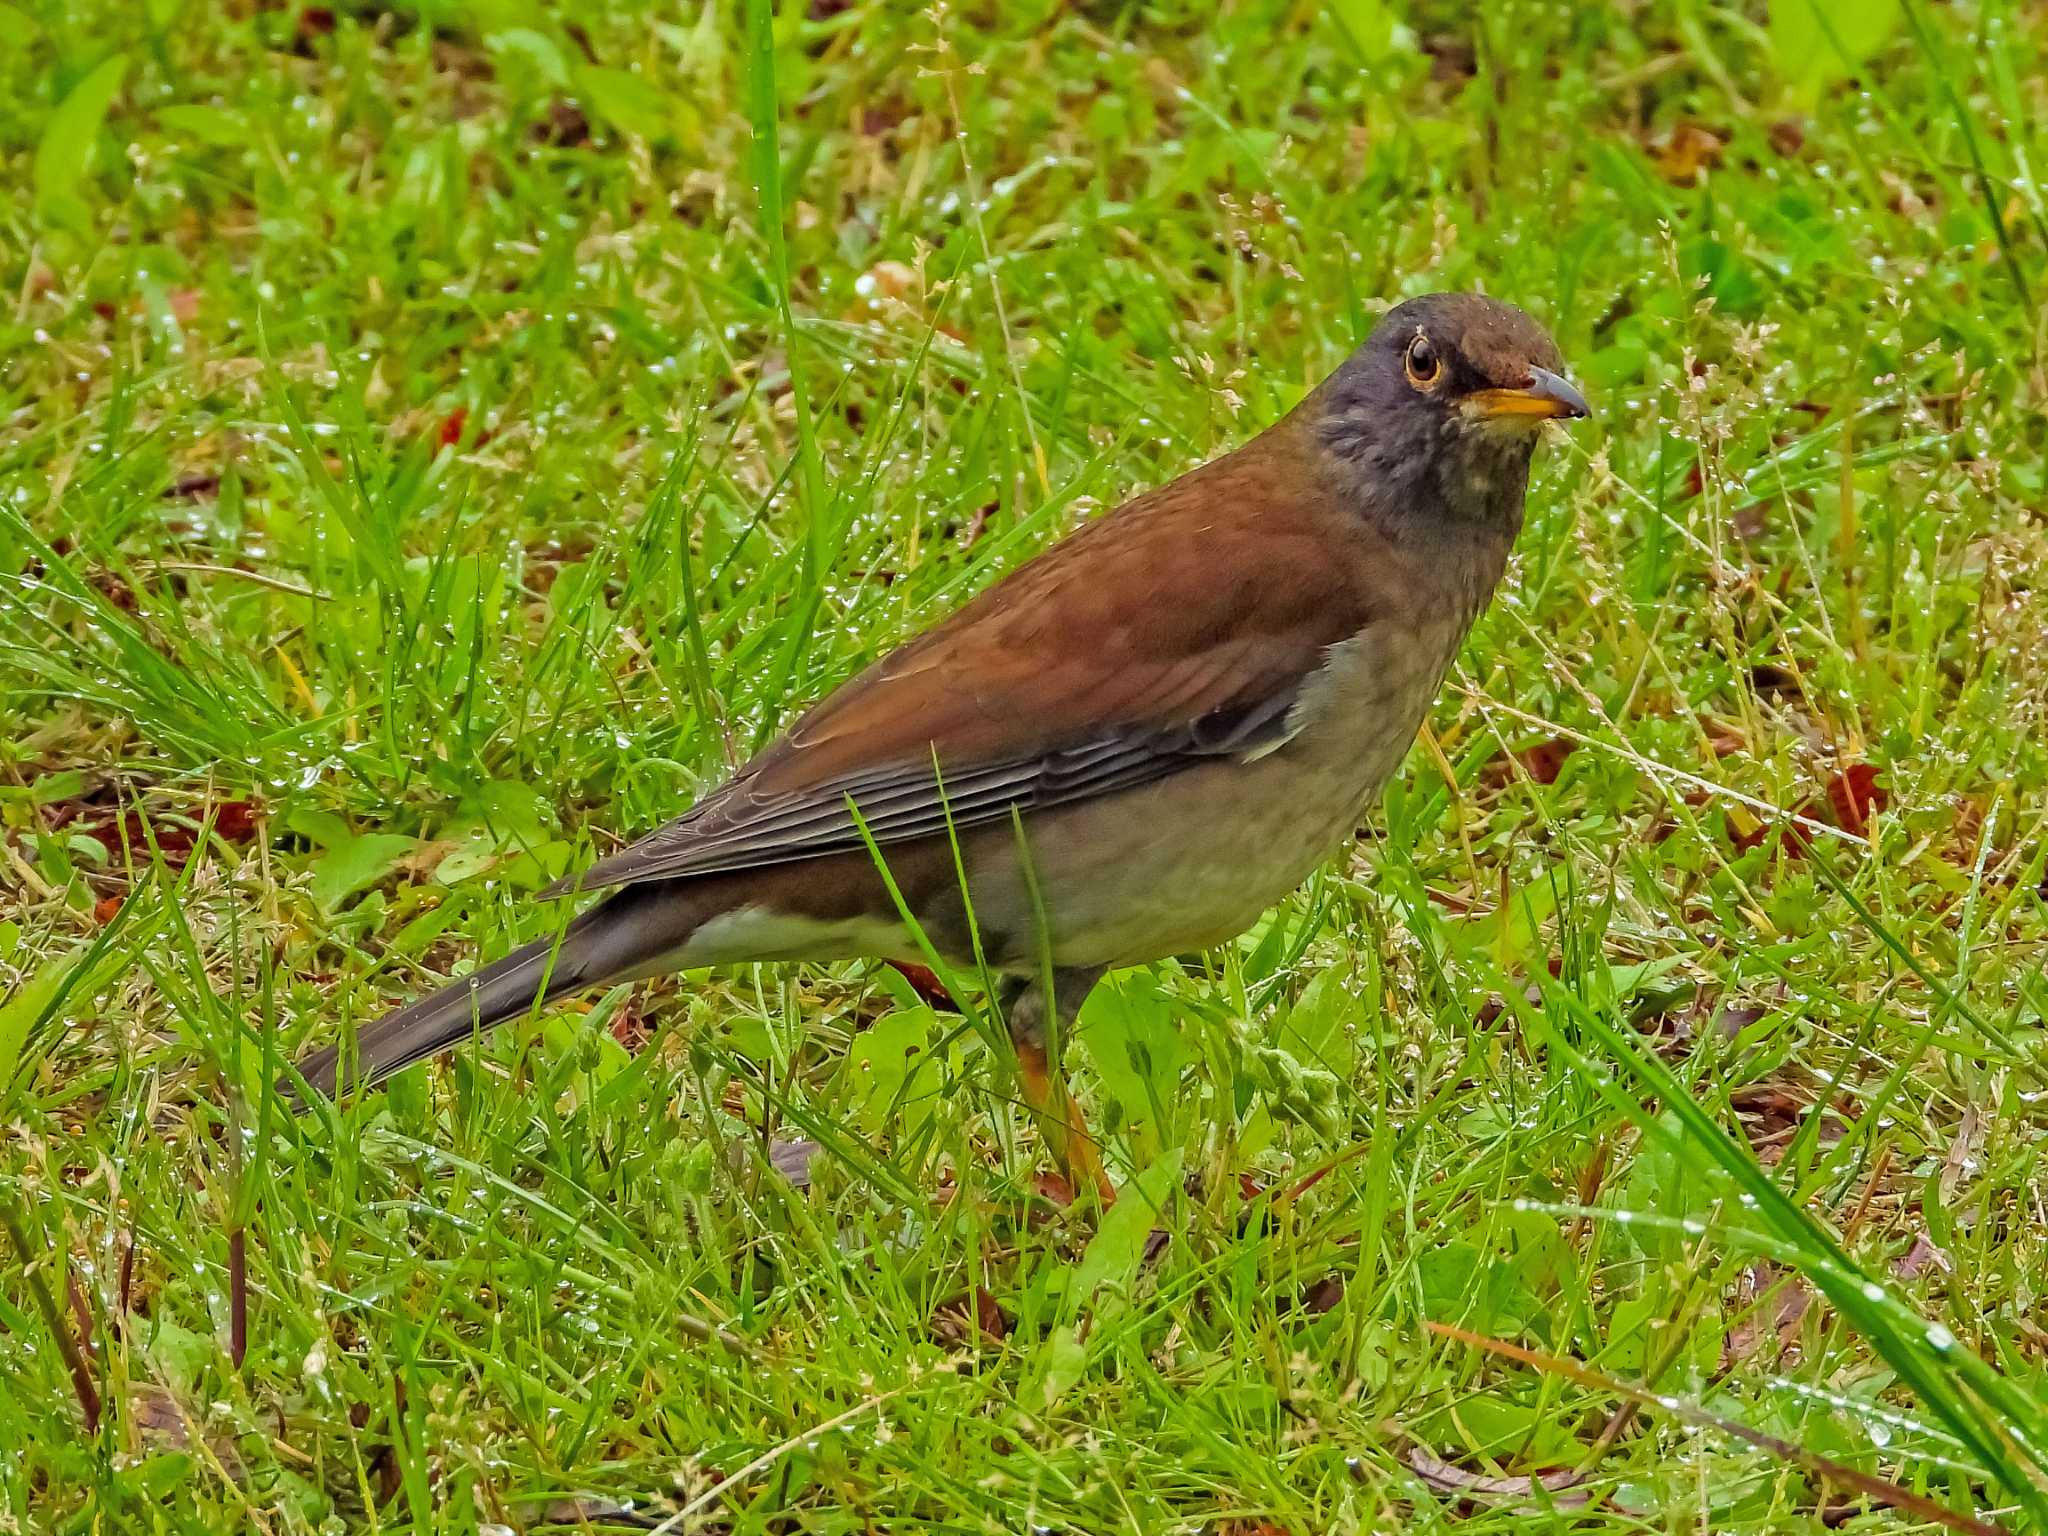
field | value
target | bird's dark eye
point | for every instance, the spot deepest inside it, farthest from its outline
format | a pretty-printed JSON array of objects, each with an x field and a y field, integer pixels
[{"x": 1423, "y": 363}]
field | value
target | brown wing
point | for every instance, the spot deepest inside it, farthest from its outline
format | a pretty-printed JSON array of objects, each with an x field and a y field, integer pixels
[{"x": 1178, "y": 628}]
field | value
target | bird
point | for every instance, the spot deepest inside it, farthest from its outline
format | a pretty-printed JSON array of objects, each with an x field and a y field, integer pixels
[{"x": 1128, "y": 748}]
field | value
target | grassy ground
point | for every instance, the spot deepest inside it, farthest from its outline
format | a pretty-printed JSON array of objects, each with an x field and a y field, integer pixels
[{"x": 421, "y": 463}]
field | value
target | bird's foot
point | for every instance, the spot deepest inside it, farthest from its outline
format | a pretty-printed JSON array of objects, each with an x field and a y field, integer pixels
[{"x": 1066, "y": 1131}]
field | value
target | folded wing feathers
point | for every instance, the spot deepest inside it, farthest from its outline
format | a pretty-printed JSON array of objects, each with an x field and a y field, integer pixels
[{"x": 733, "y": 830}]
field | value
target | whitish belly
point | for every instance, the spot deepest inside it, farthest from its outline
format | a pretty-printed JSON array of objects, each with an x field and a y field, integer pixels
[
  {"x": 1178, "y": 866},
  {"x": 1192, "y": 860}
]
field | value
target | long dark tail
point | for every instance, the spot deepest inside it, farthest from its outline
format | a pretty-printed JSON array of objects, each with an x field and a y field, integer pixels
[{"x": 615, "y": 940}]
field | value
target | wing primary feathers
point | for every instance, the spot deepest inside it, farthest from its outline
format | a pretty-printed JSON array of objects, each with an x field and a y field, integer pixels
[{"x": 732, "y": 832}]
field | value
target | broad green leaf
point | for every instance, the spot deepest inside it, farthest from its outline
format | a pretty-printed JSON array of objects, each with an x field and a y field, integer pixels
[
  {"x": 513, "y": 811},
  {"x": 317, "y": 826},
  {"x": 155, "y": 1478},
  {"x": 355, "y": 862},
  {"x": 181, "y": 1356},
  {"x": 17, "y": 28},
  {"x": 1817, "y": 43},
  {"x": 893, "y": 1071},
  {"x": 1103, "y": 1278},
  {"x": 1372, "y": 28},
  {"x": 1134, "y": 1039},
  {"x": 52, "y": 787},
  {"x": 537, "y": 49},
  {"x": 1511, "y": 932},
  {"x": 471, "y": 857},
  {"x": 1463, "y": 1284},
  {"x": 1314, "y": 1029},
  {"x": 566, "y": 1032},
  {"x": 626, "y": 101},
  {"x": 22, "y": 1012},
  {"x": 495, "y": 819},
  {"x": 65, "y": 153},
  {"x": 1062, "y": 1360}
]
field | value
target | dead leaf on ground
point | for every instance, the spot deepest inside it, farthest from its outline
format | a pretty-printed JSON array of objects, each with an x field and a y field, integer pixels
[
  {"x": 1854, "y": 796},
  {"x": 629, "y": 1024},
  {"x": 200, "y": 486},
  {"x": 1772, "y": 681},
  {"x": 1772, "y": 1111},
  {"x": 128, "y": 832},
  {"x": 1452, "y": 58},
  {"x": 924, "y": 981},
  {"x": 1048, "y": 1185},
  {"x": 1922, "y": 1256},
  {"x": 1848, "y": 799},
  {"x": 973, "y": 1318},
  {"x": 1447, "y": 1478},
  {"x": 1962, "y": 1159},
  {"x": 157, "y": 1418},
  {"x": 564, "y": 127},
  {"x": 792, "y": 1159},
  {"x": 1543, "y": 763},
  {"x": 1781, "y": 1300},
  {"x": 1788, "y": 136},
  {"x": 162, "y": 1424},
  {"x": 1732, "y": 1020},
  {"x": 1724, "y": 739},
  {"x": 1686, "y": 151},
  {"x": 235, "y": 820},
  {"x": 1323, "y": 1295}
]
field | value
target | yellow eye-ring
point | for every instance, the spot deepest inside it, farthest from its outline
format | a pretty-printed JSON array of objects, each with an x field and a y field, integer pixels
[{"x": 1422, "y": 362}]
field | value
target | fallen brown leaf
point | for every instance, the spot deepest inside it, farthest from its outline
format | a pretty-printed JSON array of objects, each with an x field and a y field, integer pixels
[
  {"x": 792, "y": 1159},
  {"x": 1781, "y": 1300},
  {"x": 1688, "y": 150},
  {"x": 1854, "y": 795},
  {"x": 1447, "y": 1478},
  {"x": 925, "y": 982},
  {"x": 201, "y": 486},
  {"x": 1323, "y": 1295},
  {"x": 973, "y": 1318},
  {"x": 1919, "y": 1257},
  {"x": 1048, "y": 1185}
]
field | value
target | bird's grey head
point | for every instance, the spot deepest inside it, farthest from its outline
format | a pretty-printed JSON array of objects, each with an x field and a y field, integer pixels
[{"x": 1435, "y": 418}]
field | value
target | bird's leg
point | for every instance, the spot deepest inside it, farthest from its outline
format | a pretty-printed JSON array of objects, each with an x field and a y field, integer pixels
[{"x": 1059, "y": 1117}]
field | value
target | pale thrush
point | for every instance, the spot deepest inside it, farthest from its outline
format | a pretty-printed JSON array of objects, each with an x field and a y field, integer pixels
[{"x": 1186, "y": 706}]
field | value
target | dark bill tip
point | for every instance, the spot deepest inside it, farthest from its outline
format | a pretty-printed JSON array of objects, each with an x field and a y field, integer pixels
[
  {"x": 1547, "y": 386},
  {"x": 1543, "y": 397}
]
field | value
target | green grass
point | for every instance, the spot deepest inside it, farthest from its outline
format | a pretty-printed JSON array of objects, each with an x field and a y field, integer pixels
[{"x": 438, "y": 443}]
